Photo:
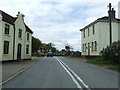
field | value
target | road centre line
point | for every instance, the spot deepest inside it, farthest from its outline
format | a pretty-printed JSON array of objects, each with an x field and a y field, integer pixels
[
  {"x": 74, "y": 80},
  {"x": 75, "y": 75}
]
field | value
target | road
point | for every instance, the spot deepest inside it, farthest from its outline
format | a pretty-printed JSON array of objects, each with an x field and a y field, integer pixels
[{"x": 61, "y": 72}]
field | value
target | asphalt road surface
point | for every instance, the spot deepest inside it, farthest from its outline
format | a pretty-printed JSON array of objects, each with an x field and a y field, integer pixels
[{"x": 61, "y": 72}]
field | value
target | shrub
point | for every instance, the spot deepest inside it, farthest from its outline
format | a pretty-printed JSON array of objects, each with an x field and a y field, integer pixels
[{"x": 112, "y": 53}]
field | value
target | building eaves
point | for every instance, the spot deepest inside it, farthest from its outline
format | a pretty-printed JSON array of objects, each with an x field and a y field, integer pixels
[
  {"x": 102, "y": 19},
  {"x": 28, "y": 29}
]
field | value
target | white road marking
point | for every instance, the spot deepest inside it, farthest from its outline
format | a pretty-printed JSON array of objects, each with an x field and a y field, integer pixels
[
  {"x": 14, "y": 75},
  {"x": 69, "y": 69},
  {"x": 74, "y": 80}
]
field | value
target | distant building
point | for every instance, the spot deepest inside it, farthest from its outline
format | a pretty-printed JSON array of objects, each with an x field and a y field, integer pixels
[
  {"x": 15, "y": 37},
  {"x": 96, "y": 35}
]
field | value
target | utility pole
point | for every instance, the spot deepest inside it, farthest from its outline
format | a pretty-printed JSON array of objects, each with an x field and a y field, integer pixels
[{"x": 110, "y": 25}]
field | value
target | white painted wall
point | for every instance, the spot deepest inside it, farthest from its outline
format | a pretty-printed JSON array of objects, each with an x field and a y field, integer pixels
[
  {"x": 28, "y": 42},
  {"x": 9, "y": 38},
  {"x": 118, "y": 31},
  {"x": 19, "y": 24},
  {"x": 90, "y": 39},
  {"x": 1, "y": 45},
  {"x": 102, "y": 36}
]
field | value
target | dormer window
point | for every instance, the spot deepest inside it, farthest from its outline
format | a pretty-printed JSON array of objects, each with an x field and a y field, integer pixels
[
  {"x": 20, "y": 33},
  {"x": 7, "y": 28}
]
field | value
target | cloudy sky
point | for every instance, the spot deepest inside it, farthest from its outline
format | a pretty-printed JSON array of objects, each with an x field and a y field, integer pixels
[{"x": 58, "y": 21}]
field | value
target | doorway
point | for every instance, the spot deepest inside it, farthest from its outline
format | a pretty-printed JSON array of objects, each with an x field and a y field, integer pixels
[{"x": 19, "y": 49}]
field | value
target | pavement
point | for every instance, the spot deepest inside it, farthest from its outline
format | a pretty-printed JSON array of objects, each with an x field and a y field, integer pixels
[{"x": 11, "y": 68}]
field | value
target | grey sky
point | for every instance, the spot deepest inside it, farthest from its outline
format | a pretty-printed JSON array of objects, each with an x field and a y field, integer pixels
[{"x": 58, "y": 21}]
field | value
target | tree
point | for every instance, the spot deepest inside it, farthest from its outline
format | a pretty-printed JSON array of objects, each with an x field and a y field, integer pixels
[{"x": 36, "y": 44}]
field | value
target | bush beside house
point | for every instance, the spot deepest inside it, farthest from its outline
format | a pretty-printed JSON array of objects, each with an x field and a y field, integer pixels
[{"x": 112, "y": 53}]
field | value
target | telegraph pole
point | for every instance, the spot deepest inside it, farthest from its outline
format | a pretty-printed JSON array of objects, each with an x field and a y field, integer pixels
[{"x": 110, "y": 25}]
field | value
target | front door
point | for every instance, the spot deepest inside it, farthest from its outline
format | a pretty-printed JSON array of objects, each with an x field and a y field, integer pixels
[{"x": 19, "y": 51}]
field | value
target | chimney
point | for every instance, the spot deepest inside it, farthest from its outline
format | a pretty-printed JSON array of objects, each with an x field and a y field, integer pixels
[
  {"x": 18, "y": 14},
  {"x": 111, "y": 13}
]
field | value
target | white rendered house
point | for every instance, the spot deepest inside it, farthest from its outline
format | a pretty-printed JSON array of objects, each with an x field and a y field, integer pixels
[
  {"x": 15, "y": 37},
  {"x": 96, "y": 35}
]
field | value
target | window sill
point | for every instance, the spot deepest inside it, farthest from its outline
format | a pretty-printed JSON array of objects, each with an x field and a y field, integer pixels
[
  {"x": 20, "y": 38},
  {"x": 6, "y": 54},
  {"x": 7, "y": 35}
]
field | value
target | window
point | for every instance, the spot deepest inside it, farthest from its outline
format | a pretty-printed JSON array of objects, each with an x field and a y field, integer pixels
[
  {"x": 6, "y": 47},
  {"x": 7, "y": 28},
  {"x": 27, "y": 49},
  {"x": 84, "y": 33},
  {"x": 92, "y": 47},
  {"x": 95, "y": 45},
  {"x": 83, "y": 48},
  {"x": 27, "y": 36},
  {"x": 20, "y": 33},
  {"x": 93, "y": 29},
  {"x": 88, "y": 32}
]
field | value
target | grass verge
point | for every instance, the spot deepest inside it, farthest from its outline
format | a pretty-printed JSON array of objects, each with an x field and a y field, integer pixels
[{"x": 105, "y": 63}]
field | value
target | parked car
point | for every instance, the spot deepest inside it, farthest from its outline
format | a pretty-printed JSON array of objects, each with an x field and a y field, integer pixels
[{"x": 49, "y": 54}]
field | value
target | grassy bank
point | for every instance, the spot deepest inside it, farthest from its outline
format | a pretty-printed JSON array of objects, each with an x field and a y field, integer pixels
[{"x": 105, "y": 63}]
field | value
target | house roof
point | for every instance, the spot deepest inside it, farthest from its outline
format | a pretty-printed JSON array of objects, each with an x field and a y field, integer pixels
[
  {"x": 7, "y": 18},
  {"x": 105, "y": 19},
  {"x": 28, "y": 29},
  {"x": 10, "y": 19}
]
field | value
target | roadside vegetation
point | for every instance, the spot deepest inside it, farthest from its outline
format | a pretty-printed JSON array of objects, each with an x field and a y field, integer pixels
[
  {"x": 110, "y": 57},
  {"x": 39, "y": 49}
]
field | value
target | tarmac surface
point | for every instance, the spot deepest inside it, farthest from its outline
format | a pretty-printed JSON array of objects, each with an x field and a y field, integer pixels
[{"x": 61, "y": 72}]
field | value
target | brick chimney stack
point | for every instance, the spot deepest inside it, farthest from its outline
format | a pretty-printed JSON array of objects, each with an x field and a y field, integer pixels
[{"x": 112, "y": 13}]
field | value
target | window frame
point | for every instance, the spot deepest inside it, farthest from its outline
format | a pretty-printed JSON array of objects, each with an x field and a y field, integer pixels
[
  {"x": 92, "y": 46},
  {"x": 88, "y": 32},
  {"x": 7, "y": 29},
  {"x": 95, "y": 45},
  {"x": 6, "y": 47},
  {"x": 93, "y": 29},
  {"x": 27, "y": 49},
  {"x": 28, "y": 36},
  {"x": 20, "y": 33},
  {"x": 84, "y": 34}
]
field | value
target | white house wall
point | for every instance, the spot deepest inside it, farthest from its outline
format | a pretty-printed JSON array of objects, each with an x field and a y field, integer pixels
[
  {"x": 28, "y": 42},
  {"x": 1, "y": 45},
  {"x": 115, "y": 31},
  {"x": 19, "y": 24},
  {"x": 118, "y": 31},
  {"x": 89, "y": 39},
  {"x": 9, "y": 38},
  {"x": 102, "y": 36}
]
